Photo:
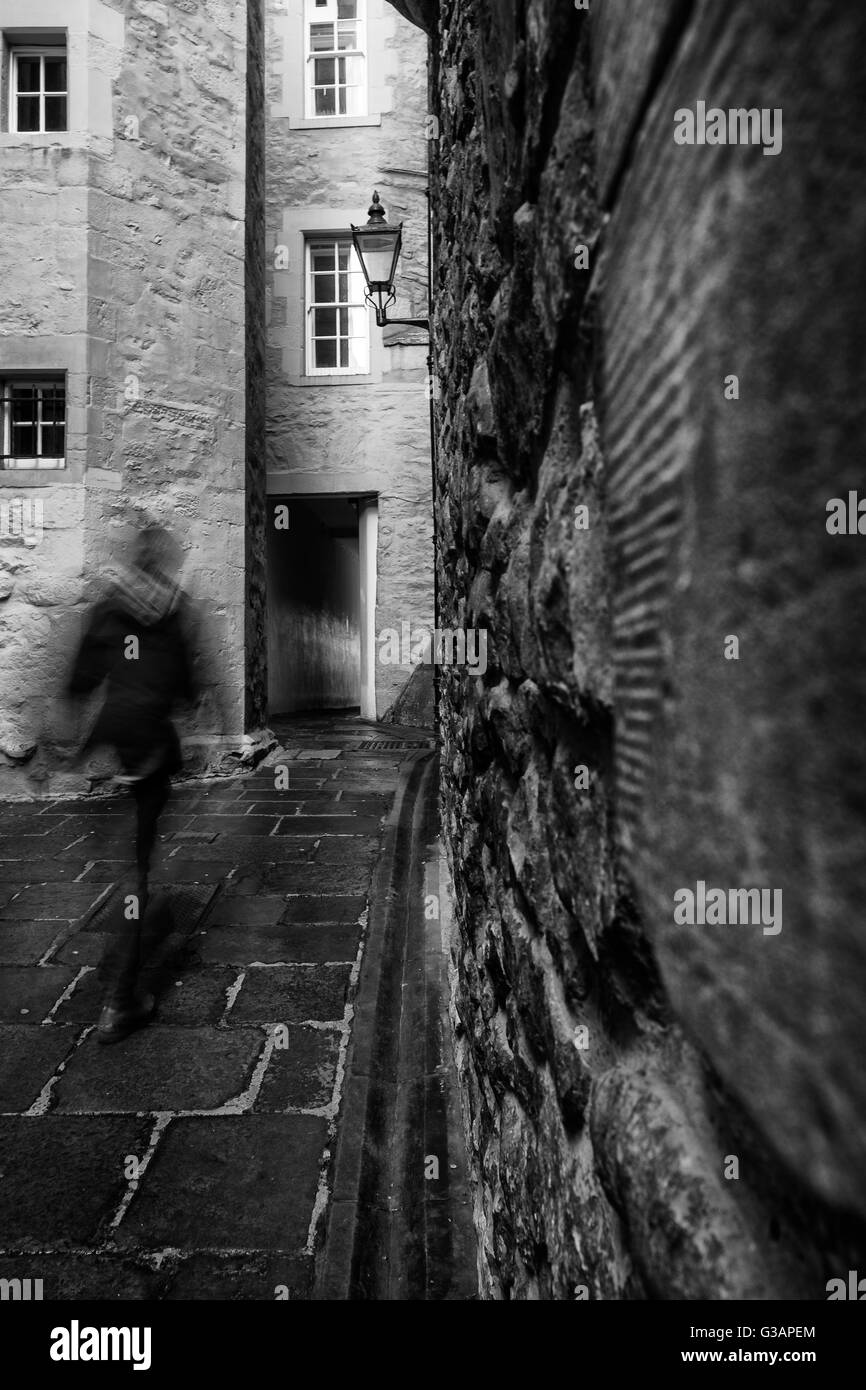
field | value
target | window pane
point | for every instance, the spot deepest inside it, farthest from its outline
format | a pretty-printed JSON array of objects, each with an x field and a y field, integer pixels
[
  {"x": 347, "y": 36},
  {"x": 325, "y": 323},
  {"x": 28, "y": 75},
  {"x": 324, "y": 72},
  {"x": 359, "y": 359},
  {"x": 24, "y": 441},
  {"x": 28, "y": 113},
  {"x": 322, "y": 258},
  {"x": 326, "y": 353},
  {"x": 324, "y": 288},
  {"x": 356, "y": 85},
  {"x": 23, "y": 405},
  {"x": 55, "y": 113},
  {"x": 344, "y": 352},
  {"x": 344, "y": 289},
  {"x": 344, "y": 253},
  {"x": 359, "y": 322},
  {"x": 347, "y": 9},
  {"x": 321, "y": 38},
  {"x": 344, "y": 322},
  {"x": 53, "y": 405},
  {"x": 52, "y": 441},
  {"x": 325, "y": 101},
  {"x": 55, "y": 74}
]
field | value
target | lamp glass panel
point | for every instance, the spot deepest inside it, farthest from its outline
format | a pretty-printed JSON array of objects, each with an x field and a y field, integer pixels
[{"x": 377, "y": 249}]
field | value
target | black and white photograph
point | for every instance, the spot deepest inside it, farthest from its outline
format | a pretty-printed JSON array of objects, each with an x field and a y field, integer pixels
[{"x": 432, "y": 675}]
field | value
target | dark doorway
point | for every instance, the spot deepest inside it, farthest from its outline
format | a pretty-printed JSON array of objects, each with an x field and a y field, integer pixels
[{"x": 314, "y": 604}]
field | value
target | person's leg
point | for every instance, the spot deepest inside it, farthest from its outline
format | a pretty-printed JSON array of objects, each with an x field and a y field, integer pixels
[{"x": 150, "y": 796}]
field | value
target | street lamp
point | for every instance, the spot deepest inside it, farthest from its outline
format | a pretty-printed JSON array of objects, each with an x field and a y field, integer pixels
[{"x": 378, "y": 248}]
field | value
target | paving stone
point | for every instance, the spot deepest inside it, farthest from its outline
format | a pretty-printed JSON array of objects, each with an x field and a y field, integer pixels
[
  {"x": 92, "y": 806},
  {"x": 280, "y": 943},
  {"x": 339, "y": 878},
  {"x": 301, "y": 1076},
  {"x": 102, "y": 871},
  {"x": 327, "y": 825},
  {"x": 287, "y": 803},
  {"x": 97, "y": 847},
  {"x": 320, "y": 941},
  {"x": 51, "y": 900},
  {"x": 29, "y": 1058},
  {"x": 27, "y": 943},
  {"x": 160, "y": 1068},
  {"x": 84, "y": 1003},
  {"x": 222, "y": 1182},
  {"x": 27, "y": 993},
  {"x": 62, "y": 1175},
  {"x": 350, "y": 852},
  {"x": 33, "y": 870},
  {"x": 291, "y": 994},
  {"x": 179, "y": 869},
  {"x": 84, "y": 948},
  {"x": 249, "y": 850},
  {"x": 195, "y": 995},
  {"x": 257, "y": 1276},
  {"x": 8, "y": 889},
  {"x": 245, "y": 826},
  {"x": 246, "y": 911},
  {"x": 89, "y": 1277},
  {"x": 323, "y": 908}
]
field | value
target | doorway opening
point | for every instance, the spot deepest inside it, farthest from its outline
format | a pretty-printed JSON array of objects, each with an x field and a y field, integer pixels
[{"x": 321, "y": 604}]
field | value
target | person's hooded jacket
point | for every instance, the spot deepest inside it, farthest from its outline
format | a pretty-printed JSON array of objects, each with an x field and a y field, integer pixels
[{"x": 144, "y": 678}]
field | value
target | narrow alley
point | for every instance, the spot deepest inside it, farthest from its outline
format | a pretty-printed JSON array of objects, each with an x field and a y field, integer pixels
[{"x": 196, "y": 1159}]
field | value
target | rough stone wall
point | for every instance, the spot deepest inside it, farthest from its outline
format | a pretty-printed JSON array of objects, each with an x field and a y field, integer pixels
[
  {"x": 124, "y": 243},
  {"x": 365, "y": 436},
  {"x": 256, "y": 685},
  {"x": 613, "y": 1063}
]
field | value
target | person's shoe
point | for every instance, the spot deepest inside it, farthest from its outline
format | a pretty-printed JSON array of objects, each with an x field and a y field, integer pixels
[{"x": 116, "y": 1023}]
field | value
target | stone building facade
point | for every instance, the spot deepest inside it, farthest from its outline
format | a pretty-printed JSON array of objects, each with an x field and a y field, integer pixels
[
  {"x": 127, "y": 237},
  {"x": 647, "y": 356},
  {"x": 146, "y": 185}
]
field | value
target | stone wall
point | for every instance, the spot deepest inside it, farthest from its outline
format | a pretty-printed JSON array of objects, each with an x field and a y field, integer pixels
[
  {"x": 653, "y": 1110},
  {"x": 124, "y": 240},
  {"x": 255, "y": 634}
]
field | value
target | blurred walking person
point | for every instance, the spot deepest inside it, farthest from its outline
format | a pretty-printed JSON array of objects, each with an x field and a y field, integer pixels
[{"x": 138, "y": 645}]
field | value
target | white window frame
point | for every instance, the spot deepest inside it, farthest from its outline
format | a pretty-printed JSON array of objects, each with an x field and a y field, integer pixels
[
  {"x": 41, "y": 51},
  {"x": 28, "y": 462},
  {"x": 317, "y": 240},
  {"x": 327, "y": 14}
]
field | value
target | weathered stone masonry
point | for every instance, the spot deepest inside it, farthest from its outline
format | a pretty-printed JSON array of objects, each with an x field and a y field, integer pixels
[
  {"x": 134, "y": 247},
  {"x": 604, "y": 1168}
]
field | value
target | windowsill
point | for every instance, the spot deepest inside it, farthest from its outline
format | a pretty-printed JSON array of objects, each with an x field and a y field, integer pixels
[
  {"x": 35, "y": 477},
  {"x": 331, "y": 122},
  {"x": 364, "y": 379},
  {"x": 42, "y": 139}
]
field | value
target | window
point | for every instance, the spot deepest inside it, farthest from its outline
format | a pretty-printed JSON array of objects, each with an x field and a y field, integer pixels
[
  {"x": 33, "y": 422},
  {"x": 38, "y": 89},
  {"x": 338, "y": 320},
  {"x": 336, "y": 66}
]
